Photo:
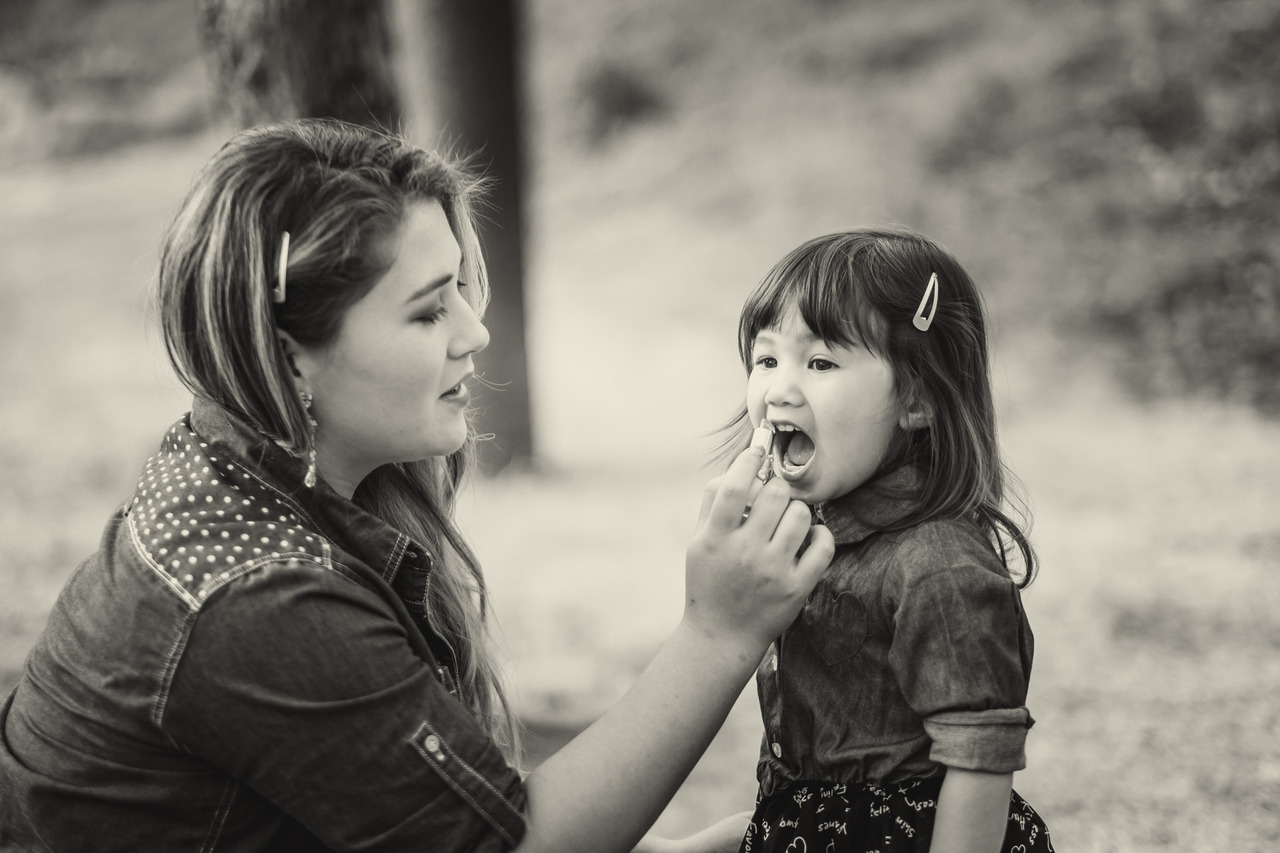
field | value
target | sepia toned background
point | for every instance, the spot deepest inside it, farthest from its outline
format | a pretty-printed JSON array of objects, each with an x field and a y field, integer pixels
[{"x": 1108, "y": 170}]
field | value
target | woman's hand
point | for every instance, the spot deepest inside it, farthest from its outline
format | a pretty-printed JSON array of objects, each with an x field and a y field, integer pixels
[
  {"x": 745, "y": 582},
  {"x": 723, "y": 837},
  {"x": 745, "y": 578}
]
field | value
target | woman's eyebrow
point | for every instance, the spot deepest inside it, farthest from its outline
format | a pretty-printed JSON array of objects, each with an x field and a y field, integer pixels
[{"x": 429, "y": 288}]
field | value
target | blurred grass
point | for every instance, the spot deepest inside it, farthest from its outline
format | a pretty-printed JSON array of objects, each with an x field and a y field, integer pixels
[{"x": 677, "y": 150}]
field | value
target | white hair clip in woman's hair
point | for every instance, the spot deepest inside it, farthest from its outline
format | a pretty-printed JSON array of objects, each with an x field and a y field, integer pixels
[
  {"x": 920, "y": 321},
  {"x": 277, "y": 292}
]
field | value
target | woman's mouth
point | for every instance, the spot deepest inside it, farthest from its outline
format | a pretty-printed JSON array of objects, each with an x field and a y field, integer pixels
[
  {"x": 457, "y": 392},
  {"x": 793, "y": 452}
]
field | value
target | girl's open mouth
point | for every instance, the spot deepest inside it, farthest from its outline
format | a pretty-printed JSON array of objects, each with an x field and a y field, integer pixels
[{"x": 793, "y": 450}]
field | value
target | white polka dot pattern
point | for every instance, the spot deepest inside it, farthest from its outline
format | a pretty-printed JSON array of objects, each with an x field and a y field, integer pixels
[{"x": 202, "y": 520}]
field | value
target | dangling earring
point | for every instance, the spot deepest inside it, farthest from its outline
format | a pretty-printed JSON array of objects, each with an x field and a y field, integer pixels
[{"x": 310, "y": 480}]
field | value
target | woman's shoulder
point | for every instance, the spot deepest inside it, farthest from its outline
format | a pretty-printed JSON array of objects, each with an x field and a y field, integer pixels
[{"x": 201, "y": 520}]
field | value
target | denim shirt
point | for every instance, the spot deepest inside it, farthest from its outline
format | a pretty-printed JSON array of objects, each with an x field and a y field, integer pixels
[
  {"x": 245, "y": 665},
  {"x": 912, "y": 653}
]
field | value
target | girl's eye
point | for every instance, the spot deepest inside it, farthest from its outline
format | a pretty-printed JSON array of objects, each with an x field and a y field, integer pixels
[
  {"x": 821, "y": 364},
  {"x": 431, "y": 318},
  {"x": 766, "y": 361}
]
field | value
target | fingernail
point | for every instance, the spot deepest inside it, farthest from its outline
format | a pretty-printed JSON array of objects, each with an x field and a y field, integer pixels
[
  {"x": 765, "y": 474},
  {"x": 763, "y": 436}
]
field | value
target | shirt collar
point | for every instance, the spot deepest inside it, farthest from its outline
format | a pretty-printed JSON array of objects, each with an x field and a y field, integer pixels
[
  {"x": 351, "y": 528},
  {"x": 873, "y": 506}
]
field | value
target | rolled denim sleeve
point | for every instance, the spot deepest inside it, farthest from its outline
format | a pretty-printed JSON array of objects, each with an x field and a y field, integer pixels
[
  {"x": 993, "y": 740},
  {"x": 303, "y": 686},
  {"x": 961, "y": 648}
]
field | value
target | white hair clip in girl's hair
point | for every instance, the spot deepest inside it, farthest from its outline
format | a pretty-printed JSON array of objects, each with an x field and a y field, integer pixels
[
  {"x": 920, "y": 321},
  {"x": 277, "y": 292}
]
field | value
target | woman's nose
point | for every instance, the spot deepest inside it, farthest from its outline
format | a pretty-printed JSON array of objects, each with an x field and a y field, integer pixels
[{"x": 471, "y": 336}]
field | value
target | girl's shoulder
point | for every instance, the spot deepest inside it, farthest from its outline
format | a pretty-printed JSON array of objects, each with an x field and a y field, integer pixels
[{"x": 951, "y": 549}]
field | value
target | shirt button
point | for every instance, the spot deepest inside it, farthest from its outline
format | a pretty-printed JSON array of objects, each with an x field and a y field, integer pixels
[{"x": 777, "y": 750}]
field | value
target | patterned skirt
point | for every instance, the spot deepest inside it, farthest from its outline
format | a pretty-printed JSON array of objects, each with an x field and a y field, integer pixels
[{"x": 828, "y": 817}]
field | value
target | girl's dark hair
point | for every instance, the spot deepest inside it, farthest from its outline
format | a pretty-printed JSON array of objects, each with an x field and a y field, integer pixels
[
  {"x": 863, "y": 287},
  {"x": 341, "y": 191}
]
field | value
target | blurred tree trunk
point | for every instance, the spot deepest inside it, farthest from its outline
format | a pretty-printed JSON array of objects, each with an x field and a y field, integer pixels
[
  {"x": 282, "y": 59},
  {"x": 471, "y": 53}
]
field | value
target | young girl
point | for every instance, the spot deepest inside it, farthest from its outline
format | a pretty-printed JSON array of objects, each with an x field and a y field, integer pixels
[{"x": 894, "y": 705}]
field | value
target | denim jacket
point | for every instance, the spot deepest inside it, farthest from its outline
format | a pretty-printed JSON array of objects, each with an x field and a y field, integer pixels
[
  {"x": 245, "y": 665},
  {"x": 912, "y": 653}
]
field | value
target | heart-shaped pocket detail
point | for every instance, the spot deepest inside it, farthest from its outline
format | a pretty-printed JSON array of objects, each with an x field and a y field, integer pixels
[{"x": 835, "y": 624}]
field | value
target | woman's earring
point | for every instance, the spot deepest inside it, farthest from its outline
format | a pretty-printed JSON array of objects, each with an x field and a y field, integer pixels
[{"x": 310, "y": 480}]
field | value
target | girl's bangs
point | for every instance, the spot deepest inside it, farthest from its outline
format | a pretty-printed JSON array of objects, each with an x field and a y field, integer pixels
[{"x": 822, "y": 289}]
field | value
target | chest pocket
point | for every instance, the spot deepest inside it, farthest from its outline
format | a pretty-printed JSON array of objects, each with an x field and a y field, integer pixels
[{"x": 835, "y": 625}]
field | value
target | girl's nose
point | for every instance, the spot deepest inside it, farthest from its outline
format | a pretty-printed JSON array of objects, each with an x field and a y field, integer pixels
[{"x": 784, "y": 389}]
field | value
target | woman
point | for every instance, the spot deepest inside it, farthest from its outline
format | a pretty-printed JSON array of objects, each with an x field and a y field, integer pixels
[{"x": 280, "y": 643}]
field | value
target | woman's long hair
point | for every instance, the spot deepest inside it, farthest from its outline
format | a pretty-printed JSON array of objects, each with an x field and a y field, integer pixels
[
  {"x": 863, "y": 287},
  {"x": 341, "y": 191}
]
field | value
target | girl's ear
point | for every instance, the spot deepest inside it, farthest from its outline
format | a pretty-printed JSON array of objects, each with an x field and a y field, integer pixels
[{"x": 916, "y": 413}]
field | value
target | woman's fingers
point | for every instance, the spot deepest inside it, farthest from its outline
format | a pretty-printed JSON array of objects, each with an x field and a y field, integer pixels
[
  {"x": 730, "y": 499},
  {"x": 816, "y": 557},
  {"x": 792, "y": 527},
  {"x": 768, "y": 505},
  {"x": 722, "y": 837},
  {"x": 708, "y": 498},
  {"x": 746, "y": 577},
  {"x": 735, "y": 500}
]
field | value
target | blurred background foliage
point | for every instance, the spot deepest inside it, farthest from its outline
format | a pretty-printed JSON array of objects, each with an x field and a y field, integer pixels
[
  {"x": 1152, "y": 124},
  {"x": 1109, "y": 170},
  {"x": 1149, "y": 132},
  {"x": 1168, "y": 117}
]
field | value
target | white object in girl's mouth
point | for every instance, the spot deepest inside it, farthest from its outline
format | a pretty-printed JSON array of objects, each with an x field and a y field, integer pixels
[{"x": 763, "y": 438}]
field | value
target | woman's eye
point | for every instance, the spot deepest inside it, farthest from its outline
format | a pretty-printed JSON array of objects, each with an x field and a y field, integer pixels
[
  {"x": 821, "y": 364},
  {"x": 431, "y": 318}
]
